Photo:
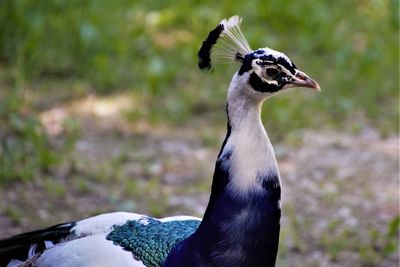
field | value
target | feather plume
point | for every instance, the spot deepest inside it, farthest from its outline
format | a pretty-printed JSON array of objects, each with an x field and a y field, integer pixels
[{"x": 226, "y": 44}]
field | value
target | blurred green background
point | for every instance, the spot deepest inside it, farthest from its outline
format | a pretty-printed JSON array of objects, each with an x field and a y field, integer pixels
[{"x": 56, "y": 53}]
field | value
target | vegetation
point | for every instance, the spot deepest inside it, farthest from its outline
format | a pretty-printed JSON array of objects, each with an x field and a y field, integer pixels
[{"x": 53, "y": 53}]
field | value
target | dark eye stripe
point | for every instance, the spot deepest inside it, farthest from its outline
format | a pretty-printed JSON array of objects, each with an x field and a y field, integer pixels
[
  {"x": 265, "y": 62},
  {"x": 261, "y": 86}
]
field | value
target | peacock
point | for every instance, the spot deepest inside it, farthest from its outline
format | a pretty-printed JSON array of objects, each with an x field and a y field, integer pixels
[{"x": 241, "y": 223}]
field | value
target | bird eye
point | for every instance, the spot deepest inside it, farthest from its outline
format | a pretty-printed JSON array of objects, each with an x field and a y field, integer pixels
[{"x": 271, "y": 72}]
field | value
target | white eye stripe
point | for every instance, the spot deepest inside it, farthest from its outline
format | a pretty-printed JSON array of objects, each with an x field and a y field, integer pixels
[
  {"x": 264, "y": 62},
  {"x": 273, "y": 65},
  {"x": 285, "y": 70}
]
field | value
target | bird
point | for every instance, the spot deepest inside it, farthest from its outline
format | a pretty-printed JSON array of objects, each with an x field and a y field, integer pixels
[{"x": 241, "y": 223}]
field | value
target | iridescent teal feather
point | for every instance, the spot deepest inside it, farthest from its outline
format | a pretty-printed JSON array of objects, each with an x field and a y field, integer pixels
[{"x": 151, "y": 240}]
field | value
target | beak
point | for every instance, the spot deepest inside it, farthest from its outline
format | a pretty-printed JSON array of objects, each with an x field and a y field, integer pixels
[{"x": 300, "y": 79}]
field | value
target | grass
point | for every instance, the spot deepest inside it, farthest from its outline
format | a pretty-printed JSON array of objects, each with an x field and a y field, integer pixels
[{"x": 139, "y": 46}]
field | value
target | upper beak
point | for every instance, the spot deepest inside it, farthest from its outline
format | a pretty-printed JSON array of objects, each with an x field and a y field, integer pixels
[{"x": 302, "y": 80}]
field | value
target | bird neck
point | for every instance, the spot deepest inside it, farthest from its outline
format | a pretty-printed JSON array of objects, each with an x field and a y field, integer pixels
[
  {"x": 247, "y": 150},
  {"x": 241, "y": 223}
]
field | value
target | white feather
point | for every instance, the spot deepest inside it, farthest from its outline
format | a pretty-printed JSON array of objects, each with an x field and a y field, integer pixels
[
  {"x": 91, "y": 251},
  {"x": 233, "y": 32},
  {"x": 14, "y": 263},
  {"x": 103, "y": 223},
  {"x": 48, "y": 244},
  {"x": 231, "y": 42}
]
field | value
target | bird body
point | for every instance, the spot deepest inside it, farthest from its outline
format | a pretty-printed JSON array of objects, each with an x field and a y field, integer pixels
[
  {"x": 241, "y": 224},
  {"x": 82, "y": 243}
]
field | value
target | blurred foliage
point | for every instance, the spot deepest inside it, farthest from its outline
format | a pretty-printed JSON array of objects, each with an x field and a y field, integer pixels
[
  {"x": 350, "y": 47},
  {"x": 26, "y": 151}
]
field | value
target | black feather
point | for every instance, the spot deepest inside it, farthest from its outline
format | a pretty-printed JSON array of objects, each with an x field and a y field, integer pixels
[
  {"x": 204, "y": 53},
  {"x": 17, "y": 247}
]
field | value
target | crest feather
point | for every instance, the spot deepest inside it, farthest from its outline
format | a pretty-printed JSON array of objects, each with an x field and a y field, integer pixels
[{"x": 226, "y": 43}]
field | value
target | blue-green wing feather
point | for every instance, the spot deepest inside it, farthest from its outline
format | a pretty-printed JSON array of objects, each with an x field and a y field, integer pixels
[{"x": 151, "y": 240}]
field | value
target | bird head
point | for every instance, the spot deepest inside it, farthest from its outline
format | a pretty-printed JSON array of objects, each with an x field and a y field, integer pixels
[{"x": 264, "y": 69}]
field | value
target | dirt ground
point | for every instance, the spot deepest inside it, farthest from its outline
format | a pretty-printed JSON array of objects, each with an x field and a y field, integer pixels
[{"x": 340, "y": 189}]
